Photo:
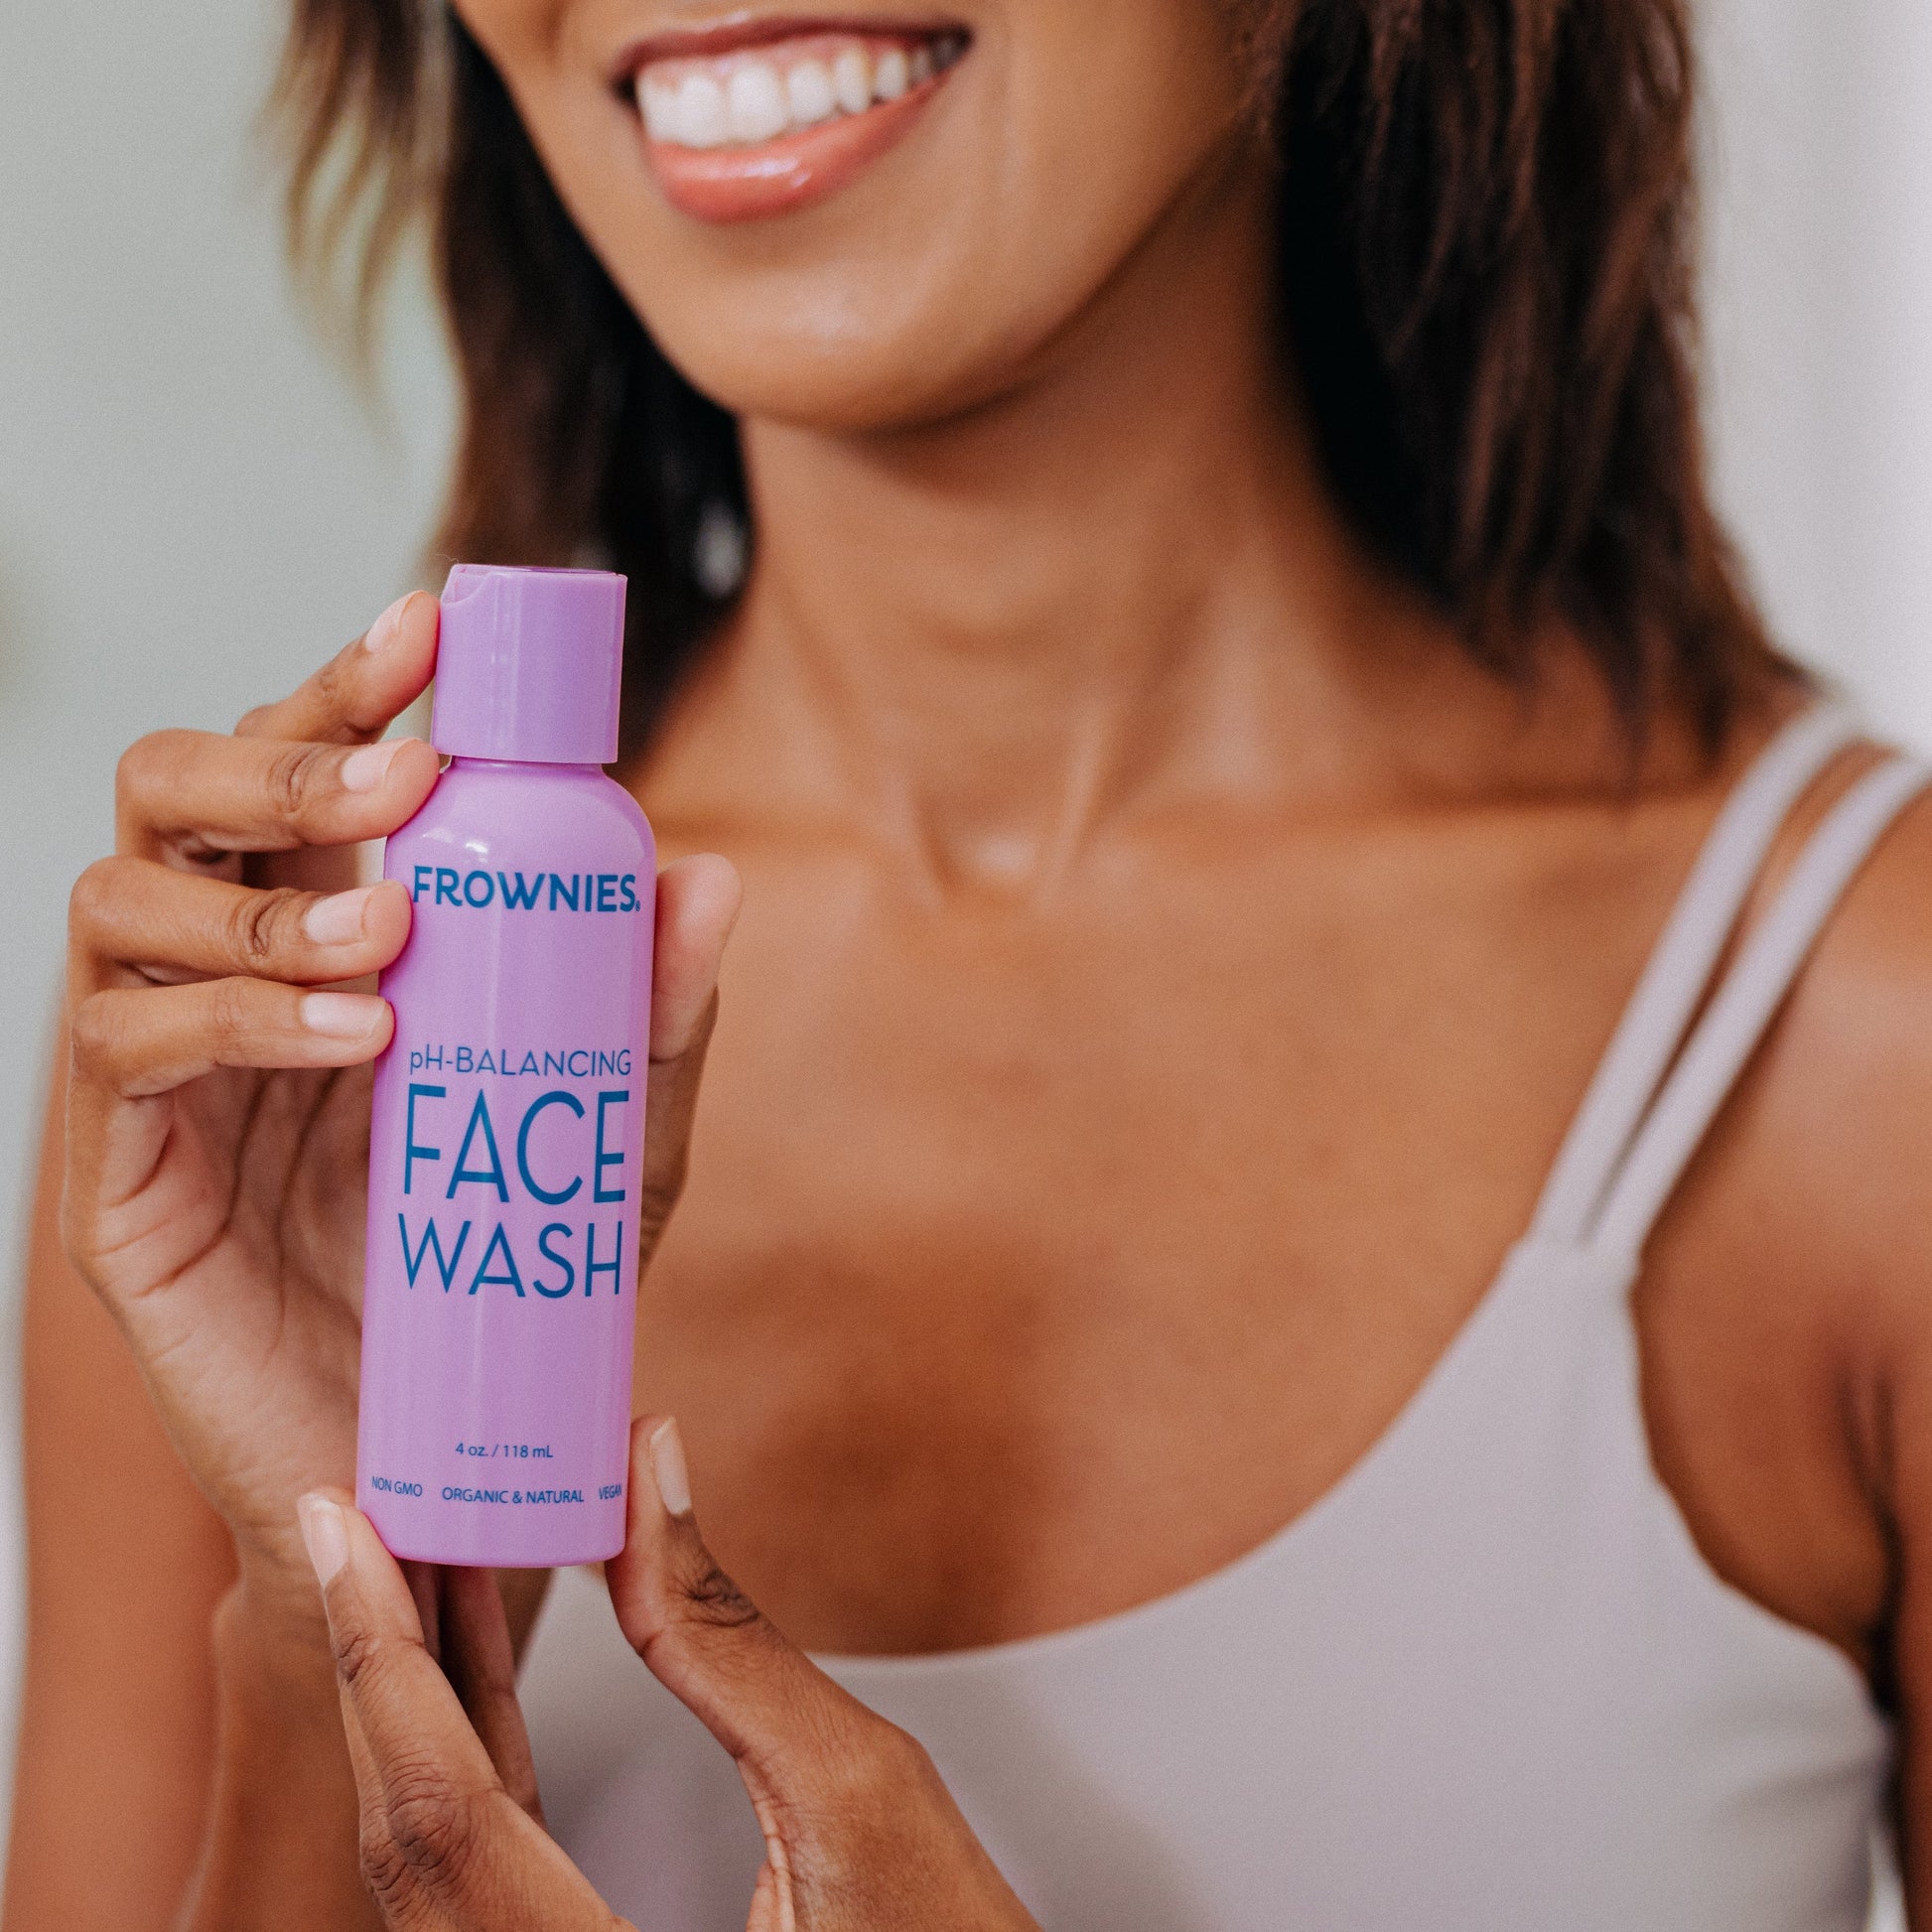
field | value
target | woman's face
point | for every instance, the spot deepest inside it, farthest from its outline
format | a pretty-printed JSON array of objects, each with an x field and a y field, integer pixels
[{"x": 874, "y": 216}]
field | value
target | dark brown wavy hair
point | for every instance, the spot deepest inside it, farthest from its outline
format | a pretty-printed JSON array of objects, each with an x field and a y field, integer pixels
[{"x": 1485, "y": 260}]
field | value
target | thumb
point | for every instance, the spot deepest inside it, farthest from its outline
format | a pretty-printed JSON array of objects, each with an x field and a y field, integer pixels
[
  {"x": 796, "y": 1735},
  {"x": 858, "y": 1829},
  {"x": 697, "y": 906}
]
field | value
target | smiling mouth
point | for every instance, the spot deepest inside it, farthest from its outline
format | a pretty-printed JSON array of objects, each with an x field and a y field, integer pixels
[{"x": 750, "y": 122}]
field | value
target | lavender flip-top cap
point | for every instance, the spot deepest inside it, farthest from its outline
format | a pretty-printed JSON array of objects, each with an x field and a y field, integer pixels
[{"x": 528, "y": 665}]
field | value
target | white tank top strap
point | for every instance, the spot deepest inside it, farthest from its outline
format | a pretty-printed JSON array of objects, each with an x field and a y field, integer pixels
[
  {"x": 1673, "y": 984},
  {"x": 1743, "y": 1005}
]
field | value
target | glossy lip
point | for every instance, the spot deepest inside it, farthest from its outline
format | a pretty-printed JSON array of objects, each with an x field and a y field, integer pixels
[{"x": 729, "y": 185}]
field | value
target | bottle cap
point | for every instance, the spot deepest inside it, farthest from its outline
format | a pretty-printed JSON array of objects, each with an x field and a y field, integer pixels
[{"x": 528, "y": 665}]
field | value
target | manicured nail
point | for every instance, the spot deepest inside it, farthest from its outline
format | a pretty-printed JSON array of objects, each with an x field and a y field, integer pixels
[
  {"x": 341, "y": 1016},
  {"x": 364, "y": 770},
  {"x": 667, "y": 1469},
  {"x": 382, "y": 633},
  {"x": 325, "y": 1534},
  {"x": 338, "y": 918}
]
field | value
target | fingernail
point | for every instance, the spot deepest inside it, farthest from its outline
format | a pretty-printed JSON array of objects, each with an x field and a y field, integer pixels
[
  {"x": 341, "y": 1016},
  {"x": 338, "y": 918},
  {"x": 667, "y": 1469},
  {"x": 325, "y": 1534},
  {"x": 364, "y": 770},
  {"x": 382, "y": 633}
]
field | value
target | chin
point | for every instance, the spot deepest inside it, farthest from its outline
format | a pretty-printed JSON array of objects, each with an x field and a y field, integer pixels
[{"x": 874, "y": 219}]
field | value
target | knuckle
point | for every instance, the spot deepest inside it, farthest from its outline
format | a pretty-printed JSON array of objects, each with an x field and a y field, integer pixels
[
  {"x": 94, "y": 1032},
  {"x": 259, "y": 924},
  {"x": 95, "y": 892},
  {"x": 902, "y": 1759},
  {"x": 230, "y": 1010},
  {"x": 386, "y": 1874},
  {"x": 290, "y": 778},
  {"x": 356, "y": 1654},
  {"x": 136, "y": 767},
  {"x": 878, "y": 1771},
  {"x": 327, "y": 684},
  {"x": 862, "y": 1792},
  {"x": 429, "y": 1831},
  {"x": 147, "y": 771},
  {"x": 713, "y": 1601}
]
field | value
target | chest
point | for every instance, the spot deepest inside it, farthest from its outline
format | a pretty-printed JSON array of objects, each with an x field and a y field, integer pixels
[{"x": 1032, "y": 1266}]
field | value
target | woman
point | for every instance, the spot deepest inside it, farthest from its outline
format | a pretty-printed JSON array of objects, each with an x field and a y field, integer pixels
[{"x": 1170, "y": 552}]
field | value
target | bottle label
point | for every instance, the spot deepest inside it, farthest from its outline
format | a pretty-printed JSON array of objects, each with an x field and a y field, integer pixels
[
  {"x": 505, "y": 1154},
  {"x": 510, "y": 1159},
  {"x": 479, "y": 888}
]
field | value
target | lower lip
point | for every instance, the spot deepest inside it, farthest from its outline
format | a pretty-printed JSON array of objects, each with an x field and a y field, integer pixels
[{"x": 727, "y": 184}]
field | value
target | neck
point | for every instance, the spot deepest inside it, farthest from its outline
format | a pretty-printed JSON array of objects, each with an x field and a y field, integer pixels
[{"x": 1120, "y": 581}]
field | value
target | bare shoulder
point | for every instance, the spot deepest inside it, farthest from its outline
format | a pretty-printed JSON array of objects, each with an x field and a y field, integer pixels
[
  {"x": 1850, "y": 1077},
  {"x": 1785, "y": 1309},
  {"x": 1813, "y": 1200},
  {"x": 1787, "y": 1305},
  {"x": 1843, "y": 1088}
]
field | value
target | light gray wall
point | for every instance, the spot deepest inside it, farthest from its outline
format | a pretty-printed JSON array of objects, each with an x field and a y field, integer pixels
[
  {"x": 195, "y": 506},
  {"x": 1818, "y": 327}
]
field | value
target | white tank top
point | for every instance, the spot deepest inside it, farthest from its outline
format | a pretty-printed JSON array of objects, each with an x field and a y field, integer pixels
[{"x": 1486, "y": 1684}]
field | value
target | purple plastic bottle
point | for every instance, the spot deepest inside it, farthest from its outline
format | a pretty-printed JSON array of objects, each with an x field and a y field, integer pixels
[{"x": 499, "y": 1296}]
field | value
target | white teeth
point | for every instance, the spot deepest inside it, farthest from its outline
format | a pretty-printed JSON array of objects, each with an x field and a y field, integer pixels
[
  {"x": 748, "y": 100},
  {"x": 890, "y": 77},
  {"x": 754, "y": 101},
  {"x": 699, "y": 113},
  {"x": 808, "y": 89},
  {"x": 658, "y": 105},
  {"x": 852, "y": 80}
]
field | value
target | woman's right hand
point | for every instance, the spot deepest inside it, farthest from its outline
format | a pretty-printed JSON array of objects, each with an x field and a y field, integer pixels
[
  {"x": 219, "y": 1102},
  {"x": 218, "y": 1112}
]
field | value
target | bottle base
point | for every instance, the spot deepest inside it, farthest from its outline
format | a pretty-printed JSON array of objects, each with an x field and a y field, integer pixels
[{"x": 497, "y": 1541}]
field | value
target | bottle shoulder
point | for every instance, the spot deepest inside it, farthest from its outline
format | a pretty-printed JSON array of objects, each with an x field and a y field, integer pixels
[{"x": 484, "y": 808}]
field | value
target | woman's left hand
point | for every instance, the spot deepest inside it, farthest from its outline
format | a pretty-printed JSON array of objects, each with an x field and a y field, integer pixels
[{"x": 860, "y": 1834}]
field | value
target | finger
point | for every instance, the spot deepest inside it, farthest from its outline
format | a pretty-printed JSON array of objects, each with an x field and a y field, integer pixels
[
  {"x": 698, "y": 901},
  {"x": 481, "y": 1667},
  {"x": 443, "y": 1844},
  {"x": 355, "y": 695},
  {"x": 697, "y": 905},
  {"x": 426, "y": 1596},
  {"x": 423, "y": 1778},
  {"x": 792, "y": 1728},
  {"x": 165, "y": 924},
  {"x": 148, "y": 1040},
  {"x": 198, "y": 796}
]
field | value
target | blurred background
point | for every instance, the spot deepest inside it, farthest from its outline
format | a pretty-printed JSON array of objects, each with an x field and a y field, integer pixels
[{"x": 198, "y": 503}]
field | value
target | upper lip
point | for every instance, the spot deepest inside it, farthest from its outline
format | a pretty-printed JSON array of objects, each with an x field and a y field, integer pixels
[{"x": 738, "y": 31}]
